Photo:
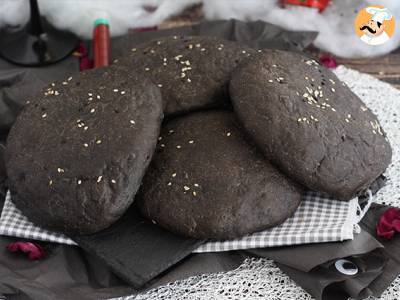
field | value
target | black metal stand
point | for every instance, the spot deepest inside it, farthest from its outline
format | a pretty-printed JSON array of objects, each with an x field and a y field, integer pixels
[{"x": 38, "y": 43}]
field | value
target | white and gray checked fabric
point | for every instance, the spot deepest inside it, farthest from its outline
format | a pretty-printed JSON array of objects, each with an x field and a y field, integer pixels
[
  {"x": 316, "y": 220},
  {"x": 13, "y": 223}
]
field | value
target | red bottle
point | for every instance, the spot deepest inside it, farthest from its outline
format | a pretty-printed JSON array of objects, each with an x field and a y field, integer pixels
[
  {"x": 101, "y": 43},
  {"x": 320, "y": 4}
]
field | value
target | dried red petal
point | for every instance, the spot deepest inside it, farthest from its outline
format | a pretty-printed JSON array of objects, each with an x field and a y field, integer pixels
[
  {"x": 384, "y": 232},
  {"x": 328, "y": 61},
  {"x": 396, "y": 225},
  {"x": 85, "y": 62},
  {"x": 389, "y": 223},
  {"x": 33, "y": 250}
]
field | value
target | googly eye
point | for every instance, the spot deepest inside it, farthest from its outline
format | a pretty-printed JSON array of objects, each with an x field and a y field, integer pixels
[{"x": 346, "y": 267}]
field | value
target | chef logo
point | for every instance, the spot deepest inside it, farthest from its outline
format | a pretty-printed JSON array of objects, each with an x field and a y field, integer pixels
[{"x": 375, "y": 25}]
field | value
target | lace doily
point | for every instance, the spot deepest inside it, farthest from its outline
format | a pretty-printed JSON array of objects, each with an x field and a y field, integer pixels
[
  {"x": 254, "y": 279},
  {"x": 261, "y": 278},
  {"x": 384, "y": 101}
]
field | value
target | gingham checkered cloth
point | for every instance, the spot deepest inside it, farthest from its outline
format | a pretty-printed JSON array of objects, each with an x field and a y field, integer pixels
[
  {"x": 14, "y": 223},
  {"x": 316, "y": 220}
]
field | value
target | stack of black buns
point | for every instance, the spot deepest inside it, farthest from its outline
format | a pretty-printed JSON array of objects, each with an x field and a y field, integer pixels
[{"x": 209, "y": 138}]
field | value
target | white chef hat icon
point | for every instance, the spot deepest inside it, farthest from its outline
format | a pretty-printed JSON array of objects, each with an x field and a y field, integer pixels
[{"x": 379, "y": 14}]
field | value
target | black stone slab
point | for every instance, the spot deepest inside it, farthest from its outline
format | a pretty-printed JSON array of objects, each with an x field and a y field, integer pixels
[{"x": 136, "y": 249}]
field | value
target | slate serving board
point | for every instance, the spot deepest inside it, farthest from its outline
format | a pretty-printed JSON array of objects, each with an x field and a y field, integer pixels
[{"x": 136, "y": 249}]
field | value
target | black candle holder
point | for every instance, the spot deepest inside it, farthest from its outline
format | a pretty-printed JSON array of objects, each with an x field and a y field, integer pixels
[{"x": 38, "y": 43}]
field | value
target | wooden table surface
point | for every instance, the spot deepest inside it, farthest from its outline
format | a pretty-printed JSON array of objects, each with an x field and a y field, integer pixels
[{"x": 386, "y": 68}]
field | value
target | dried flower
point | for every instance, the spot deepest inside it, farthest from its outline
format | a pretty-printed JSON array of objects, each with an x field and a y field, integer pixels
[
  {"x": 328, "y": 61},
  {"x": 33, "y": 250},
  {"x": 389, "y": 223}
]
